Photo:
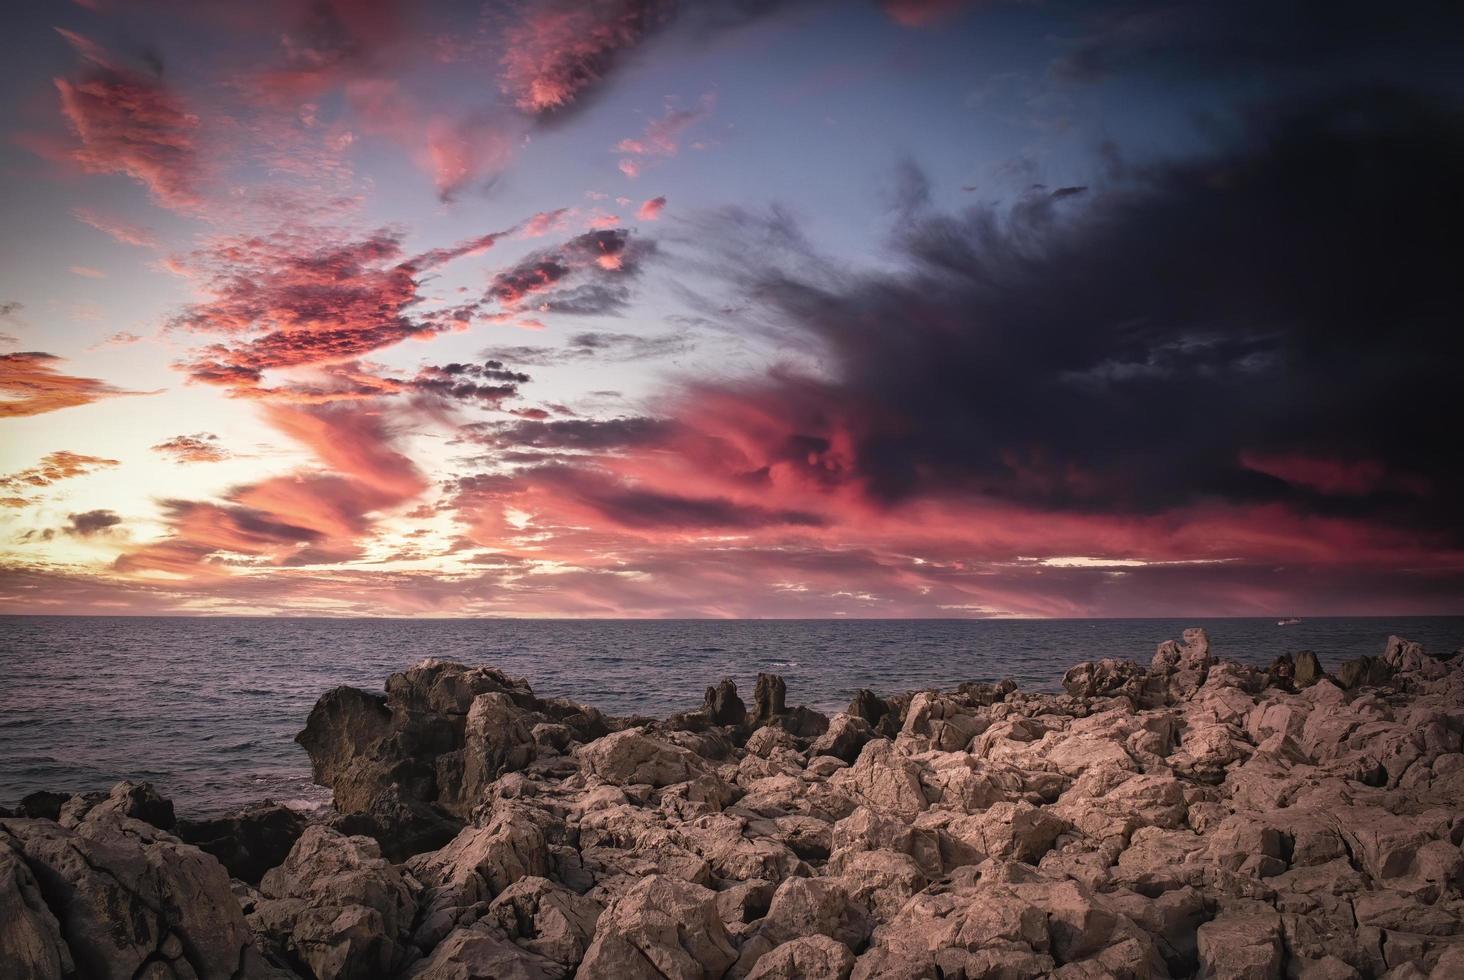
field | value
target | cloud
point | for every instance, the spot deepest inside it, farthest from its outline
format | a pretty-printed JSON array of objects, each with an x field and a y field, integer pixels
[
  {"x": 597, "y": 345},
  {"x": 578, "y": 435},
  {"x": 122, "y": 231},
  {"x": 1121, "y": 358},
  {"x": 91, "y": 523},
  {"x": 921, "y": 13},
  {"x": 53, "y": 467},
  {"x": 651, "y": 209},
  {"x": 1241, "y": 37},
  {"x": 314, "y": 516},
  {"x": 662, "y": 137},
  {"x": 305, "y": 302},
  {"x": 87, "y": 272},
  {"x": 128, "y": 122},
  {"x": 31, "y": 385},
  {"x": 558, "y": 50},
  {"x": 584, "y": 276},
  {"x": 201, "y": 447}
]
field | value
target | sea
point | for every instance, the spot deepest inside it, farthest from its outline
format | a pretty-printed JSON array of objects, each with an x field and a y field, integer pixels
[{"x": 207, "y": 708}]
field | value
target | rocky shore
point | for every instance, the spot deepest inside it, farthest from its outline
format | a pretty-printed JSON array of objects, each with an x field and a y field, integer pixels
[{"x": 1187, "y": 817}]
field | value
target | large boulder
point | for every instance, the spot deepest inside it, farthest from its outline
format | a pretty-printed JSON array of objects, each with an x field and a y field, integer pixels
[
  {"x": 422, "y": 754},
  {"x": 661, "y": 929},
  {"x": 118, "y": 894},
  {"x": 248, "y": 842},
  {"x": 337, "y": 909},
  {"x": 634, "y": 757}
]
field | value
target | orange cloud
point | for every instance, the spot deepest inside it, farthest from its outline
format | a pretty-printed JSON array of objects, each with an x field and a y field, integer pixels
[
  {"x": 53, "y": 467},
  {"x": 31, "y": 386}
]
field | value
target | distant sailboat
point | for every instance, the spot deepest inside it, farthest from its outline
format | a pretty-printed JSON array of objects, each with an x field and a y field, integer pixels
[{"x": 1287, "y": 622}]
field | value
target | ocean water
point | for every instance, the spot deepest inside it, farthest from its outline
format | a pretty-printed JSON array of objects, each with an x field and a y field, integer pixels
[{"x": 207, "y": 708}]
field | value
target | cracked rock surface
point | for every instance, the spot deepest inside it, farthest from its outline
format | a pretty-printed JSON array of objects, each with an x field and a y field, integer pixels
[{"x": 1188, "y": 816}]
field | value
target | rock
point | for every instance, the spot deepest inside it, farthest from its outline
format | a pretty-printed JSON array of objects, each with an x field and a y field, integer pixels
[
  {"x": 337, "y": 908},
  {"x": 546, "y": 919},
  {"x": 722, "y": 705},
  {"x": 1101, "y": 678},
  {"x": 423, "y": 753},
  {"x": 42, "y": 805},
  {"x": 248, "y": 843},
  {"x": 1407, "y": 657},
  {"x": 1241, "y": 947},
  {"x": 661, "y": 929},
  {"x": 31, "y": 946},
  {"x": 884, "y": 780},
  {"x": 806, "y": 958},
  {"x": 402, "y": 826},
  {"x": 478, "y": 864},
  {"x": 770, "y": 698},
  {"x": 1363, "y": 672},
  {"x": 1198, "y": 817},
  {"x": 478, "y": 952},
  {"x": 1016, "y": 831},
  {"x": 847, "y": 734},
  {"x": 631, "y": 757},
  {"x": 869, "y": 706},
  {"x": 119, "y": 891},
  {"x": 140, "y": 801},
  {"x": 1308, "y": 670}
]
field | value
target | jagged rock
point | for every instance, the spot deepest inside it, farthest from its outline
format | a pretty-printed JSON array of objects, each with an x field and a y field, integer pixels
[
  {"x": 546, "y": 919},
  {"x": 140, "y": 801},
  {"x": 248, "y": 843},
  {"x": 31, "y": 946},
  {"x": 400, "y": 825},
  {"x": 1101, "y": 678},
  {"x": 1241, "y": 947},
  {"x": 806, "y": 958},
  {"x": 42, "y": 805},
  {"x": 1017, "y": 831},
  {"x": 337, "y": 908},
  {"x": 1198, "y": 817},
  {"x": 1308, "y": 670},
  {"x": 631, "y": 757},
  {"x": 478, "y": 864},
  {"x": 884, "y": 780},
  {"x": 419, "y": 758},
  {"x": 770, "y": 698},
  {"x": 1363, "y": 672},
  {"x": 479, "y": 952},
  {"x": 722, "y": 705},
  {"x": 122, "y": 894},
  {"x": 847, "y": 734},
  {"x": 661, "y": 929}
]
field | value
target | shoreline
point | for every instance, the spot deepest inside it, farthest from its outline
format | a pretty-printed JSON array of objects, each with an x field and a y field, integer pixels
[{"x": 1189, "y": 815}]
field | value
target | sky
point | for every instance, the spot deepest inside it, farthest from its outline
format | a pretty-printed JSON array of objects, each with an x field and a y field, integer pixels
[{"x": 731, "y": 308}]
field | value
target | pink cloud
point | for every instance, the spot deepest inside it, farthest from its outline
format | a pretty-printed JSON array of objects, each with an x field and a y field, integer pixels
[
  {"x": 651, "y": 209},
  {"x": 122, "y": 231},
  {"x": 128, "y": 123},
  {"x": 921, "y": 13},
  {"x": 1335, "y": 477},
  {"x": 87, "y": 272},
  {"x": 560, "y": 49}
]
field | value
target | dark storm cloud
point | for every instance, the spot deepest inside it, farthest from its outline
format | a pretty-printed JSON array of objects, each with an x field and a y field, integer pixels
[
  {"x": 1276, "y": 321},
  {"x": 1236, "y": 37},
  {"x": 91, "y": 523},
  {"x": 585, "y": 435},
  {"x": 639, "y": 508}
]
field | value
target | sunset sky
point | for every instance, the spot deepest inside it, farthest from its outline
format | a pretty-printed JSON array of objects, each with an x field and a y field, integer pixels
[{"x": 731, "y": 308}]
